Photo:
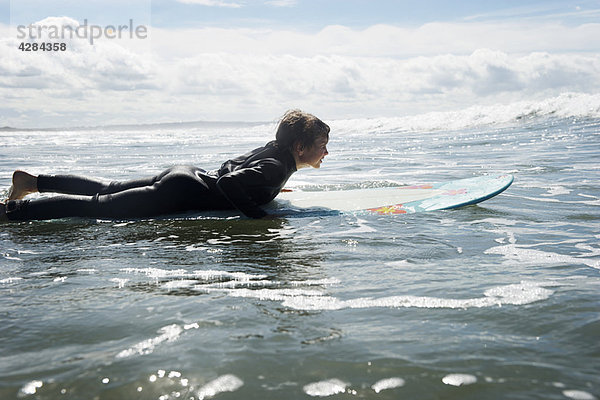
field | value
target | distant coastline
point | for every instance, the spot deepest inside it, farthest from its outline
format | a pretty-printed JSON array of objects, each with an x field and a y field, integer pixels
[{"x": 157, "y": 125}]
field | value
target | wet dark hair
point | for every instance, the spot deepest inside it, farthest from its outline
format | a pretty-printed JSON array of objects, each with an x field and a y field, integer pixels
[{"x": 299, "y": 127}]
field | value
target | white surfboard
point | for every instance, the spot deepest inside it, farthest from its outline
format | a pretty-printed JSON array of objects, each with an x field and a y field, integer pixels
[{"x": 395, "y": 200}]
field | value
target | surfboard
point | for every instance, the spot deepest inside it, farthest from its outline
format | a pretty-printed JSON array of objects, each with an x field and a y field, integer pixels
[{"x": 394, "y": 200}]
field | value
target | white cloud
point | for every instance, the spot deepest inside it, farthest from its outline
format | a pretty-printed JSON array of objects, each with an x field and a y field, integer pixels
[
  {"x": 211, "y": 3},
  {"x": 282, "y": 3},
  {"x": 538, "y": 12},
  {"x": 105, "y": 65},
  {"x": 248, "y": 74},
  {"x": 381, "y": 40}
]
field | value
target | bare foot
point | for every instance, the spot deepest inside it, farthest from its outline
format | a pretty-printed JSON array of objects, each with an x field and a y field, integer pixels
[{"x": 23, "y": 184}]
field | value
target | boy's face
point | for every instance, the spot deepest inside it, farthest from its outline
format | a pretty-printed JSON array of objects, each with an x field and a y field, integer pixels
[{"x": 313, "y": 155}]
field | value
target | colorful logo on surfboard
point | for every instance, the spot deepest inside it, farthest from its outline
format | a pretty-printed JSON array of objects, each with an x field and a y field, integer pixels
[{"x": 394, "y": 209}]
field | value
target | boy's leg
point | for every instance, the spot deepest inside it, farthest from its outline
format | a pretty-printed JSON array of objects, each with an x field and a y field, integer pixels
[
  {"x": 24, "y": 184},
  {"x": 178, "y": 192},
  {"x": 79, "y": 185},
  {"x": 132, "y": 203}
]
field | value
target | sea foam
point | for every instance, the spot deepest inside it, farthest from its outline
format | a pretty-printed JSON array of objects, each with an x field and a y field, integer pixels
[
  {"x": 325, "y": 388},
  {"x": 304, "y": 299},
  {"x": 224, "y": 383},
  {"x": 167, "y": 333},
  {"x": 389, "y": 383}
]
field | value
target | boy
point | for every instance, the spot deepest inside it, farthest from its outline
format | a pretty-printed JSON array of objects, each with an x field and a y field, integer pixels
[{"x": 244, "y": 183}]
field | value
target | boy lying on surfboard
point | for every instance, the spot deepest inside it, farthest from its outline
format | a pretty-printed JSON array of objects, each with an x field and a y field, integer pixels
[{"x": 244, "y": 183}]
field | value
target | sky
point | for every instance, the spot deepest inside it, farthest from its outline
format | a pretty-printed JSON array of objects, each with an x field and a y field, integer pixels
[{"x": 250, "y": 60}]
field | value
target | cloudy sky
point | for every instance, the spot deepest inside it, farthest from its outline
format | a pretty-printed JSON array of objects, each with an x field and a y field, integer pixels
[{"x": 251, "y": 60}]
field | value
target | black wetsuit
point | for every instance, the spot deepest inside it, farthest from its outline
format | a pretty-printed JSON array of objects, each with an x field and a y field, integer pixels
[{"x": 245, "y": 183}]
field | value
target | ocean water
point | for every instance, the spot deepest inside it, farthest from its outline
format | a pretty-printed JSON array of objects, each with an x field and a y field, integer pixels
[{"x": 499, "y": 300}]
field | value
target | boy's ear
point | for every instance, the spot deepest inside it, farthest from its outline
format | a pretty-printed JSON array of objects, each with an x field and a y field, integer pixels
[{"x": 299, "y": 148}]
